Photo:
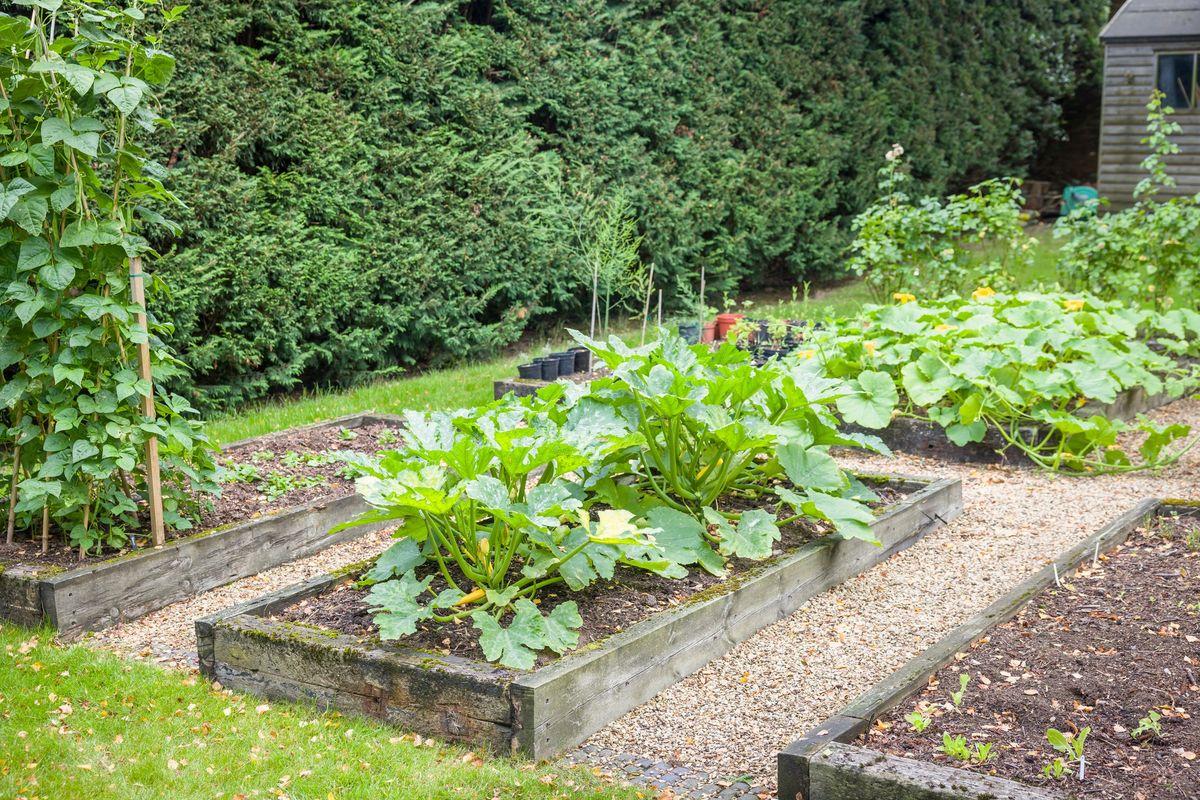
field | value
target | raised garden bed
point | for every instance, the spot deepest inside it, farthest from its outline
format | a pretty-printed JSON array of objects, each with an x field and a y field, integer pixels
[
  {"x": 542, "y": 712},
  {"x": 246, "y": 532},
  {"x": 1100, "y": 649}
]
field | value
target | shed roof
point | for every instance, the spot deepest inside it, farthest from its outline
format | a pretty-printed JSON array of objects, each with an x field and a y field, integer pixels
[{"x": 1154, "y": 19}]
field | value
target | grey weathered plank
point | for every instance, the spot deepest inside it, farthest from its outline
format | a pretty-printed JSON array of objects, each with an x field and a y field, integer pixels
[
  {"x": 841, "y": 772},
  {"x": 453, "y": 698}
]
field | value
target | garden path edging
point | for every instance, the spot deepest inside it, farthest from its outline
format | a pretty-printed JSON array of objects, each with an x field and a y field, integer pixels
[{"x": 543, "y": 712}]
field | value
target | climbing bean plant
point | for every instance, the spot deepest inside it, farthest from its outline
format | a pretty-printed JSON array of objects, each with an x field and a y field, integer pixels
[{"x": 77, "y": 95}]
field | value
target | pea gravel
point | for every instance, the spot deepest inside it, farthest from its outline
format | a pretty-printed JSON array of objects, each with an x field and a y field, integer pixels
[{"x": 727, "y": 721}]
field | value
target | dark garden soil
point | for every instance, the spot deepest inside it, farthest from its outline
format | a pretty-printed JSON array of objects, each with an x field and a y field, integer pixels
[
  {"x": 1112, "y": 644},
  {"x": 607, "y": 607},
  {"x": 246, "y": 499}
]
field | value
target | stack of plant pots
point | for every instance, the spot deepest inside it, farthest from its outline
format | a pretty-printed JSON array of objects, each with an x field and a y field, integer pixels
[{"x": 557, "y": 365}]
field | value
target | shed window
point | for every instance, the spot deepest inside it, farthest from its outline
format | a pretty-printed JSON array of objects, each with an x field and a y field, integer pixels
[{"x": 1177, "y": 79}]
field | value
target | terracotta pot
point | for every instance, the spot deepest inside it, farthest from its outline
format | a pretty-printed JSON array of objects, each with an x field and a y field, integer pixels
[
  {"x": 725, "y": 322},
  {"x": 709, "y": 332}
]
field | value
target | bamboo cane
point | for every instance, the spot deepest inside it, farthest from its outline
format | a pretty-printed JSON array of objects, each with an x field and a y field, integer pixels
[
  {"x": 45, "y": 529},
  {"x": 12, "y": 495},
  {"x": 137, "y": 287},
  {"x": 660, "y": 308}
]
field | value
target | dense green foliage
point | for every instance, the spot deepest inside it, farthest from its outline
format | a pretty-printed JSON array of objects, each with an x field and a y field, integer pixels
[
  {"x": 685, "y": 456},
  {"x": 77, "y": 84},
  {"x": 1149, "y": 251},
  {"x": 1024, "y": 367},
  {"x": 374, "y": 185},
  {"x": 904, "y": 244}
]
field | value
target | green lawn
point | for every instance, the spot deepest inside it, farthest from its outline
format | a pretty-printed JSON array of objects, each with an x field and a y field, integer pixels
[{"x": 79, "y": 724}]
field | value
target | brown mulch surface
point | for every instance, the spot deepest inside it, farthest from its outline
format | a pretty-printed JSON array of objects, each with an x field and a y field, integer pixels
[
  {"x": 1113, "y": 643},
  {"x": 238, "y": 501},
  {"x": 607, "y": 607}
]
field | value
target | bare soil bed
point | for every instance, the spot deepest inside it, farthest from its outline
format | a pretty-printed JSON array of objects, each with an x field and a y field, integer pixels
[
  {"x": 299, "y": 481},
  {"x": 607, "y": 607},
  {"x": 1117, "y": 641}
]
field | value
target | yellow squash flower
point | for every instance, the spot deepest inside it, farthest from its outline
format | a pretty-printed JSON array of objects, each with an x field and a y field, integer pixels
[
  {"x": 982, "y": 292},
  {"x": 870, "y": 348},
  {"x": 943, "y": 328},
  {"x": 903, "y": 297},
  {"x": 1073, "y": 305},
  {"x": 806, "y": 353}
]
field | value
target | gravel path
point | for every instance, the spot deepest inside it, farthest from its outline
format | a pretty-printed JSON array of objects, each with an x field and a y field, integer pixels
[
  {"x": 726, "y": 722},
  {"x": 168, "y": 636},
  {"x": 733, "y": 716}
]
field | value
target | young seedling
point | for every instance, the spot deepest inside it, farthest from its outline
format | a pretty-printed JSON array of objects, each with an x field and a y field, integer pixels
[
  {"x": 1056, "y": 769},
  {"x": 387, "y": 437},
  {"x": 1148, "y": 727},
  {"x": 262, "y": 455},
  {"x": 919, "y": 720},
  {"x": 982, "y": 752},
  {"x": 346, "y": 435},
  {"x": 957, "y": 697},
  {"x": 955, "y": 747},
  {"x": 1070, "y": 745}
]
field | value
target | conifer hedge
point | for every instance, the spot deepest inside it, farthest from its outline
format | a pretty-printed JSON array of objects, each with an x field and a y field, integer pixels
[{"x": 374, "y": 185}]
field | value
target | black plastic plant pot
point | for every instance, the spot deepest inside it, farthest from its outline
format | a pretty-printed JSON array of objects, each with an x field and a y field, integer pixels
[
  {"x": 530, "y": 371},
  {"x": 549, "y": 368},
  {"x": 689, "y": 332},
  {"x": 583, "y": 359},
  {"x": 566, "y": 362}
]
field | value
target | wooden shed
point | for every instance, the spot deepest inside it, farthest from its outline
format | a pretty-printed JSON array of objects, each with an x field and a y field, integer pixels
[{"x": 1148, "y": 44}]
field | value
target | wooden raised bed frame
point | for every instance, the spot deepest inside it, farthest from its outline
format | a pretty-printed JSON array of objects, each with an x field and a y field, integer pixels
[
  {"x": 825, "y": 764},
  {"x": 542, "y": 712},
  {"x": 101, "y": 594}
]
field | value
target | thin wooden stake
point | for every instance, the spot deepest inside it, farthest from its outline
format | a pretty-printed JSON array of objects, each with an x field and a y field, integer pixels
[
  {"x": 137, "y": 287},
  {"x": 700, "y": 310},
  {"x": 595, "y": 300},
  {"x": 45, "y": 529},
  {"x": 646, "y": 305},
  {"x": 660, "y": 308},
  {"x": 12, "y": 495}
]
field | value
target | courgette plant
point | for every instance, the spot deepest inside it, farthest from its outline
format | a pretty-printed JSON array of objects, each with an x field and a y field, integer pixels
[
  {"x": 1024, "y": 366},
  {"x": 487, "y": 502},
  {"x": 707, "y": 434},
  {"x": 77, "y": 93}
]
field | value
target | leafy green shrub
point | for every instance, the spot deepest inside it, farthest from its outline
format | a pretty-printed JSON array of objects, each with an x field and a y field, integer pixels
[
  {"x": 1022, "y": 365},
  {"x": 78, "y": 83},
  {"x": 374, "y": 186},
  {"x": 904, "y": 244},
  {"x": 1148, "y": 251}
]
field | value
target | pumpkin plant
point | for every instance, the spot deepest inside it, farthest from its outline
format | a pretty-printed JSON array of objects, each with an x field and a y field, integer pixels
[
  {"x": 488, "y": 505},
  {"x": 1023, "y": 366},
  {"x": 77, "y": 93}
]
